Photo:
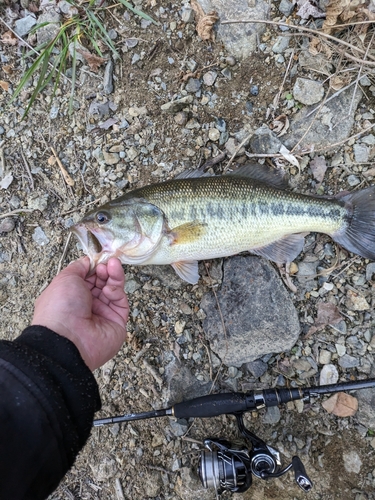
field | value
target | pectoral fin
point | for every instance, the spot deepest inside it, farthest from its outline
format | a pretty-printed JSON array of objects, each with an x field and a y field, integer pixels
[
  {"x": 188, "y": 232},
  {"x": 284, "y": 250},
  {"x": 187, "y": 270}
]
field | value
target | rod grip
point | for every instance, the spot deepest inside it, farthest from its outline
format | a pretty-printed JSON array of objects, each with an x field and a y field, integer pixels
[{"x": 211, "y": 405}]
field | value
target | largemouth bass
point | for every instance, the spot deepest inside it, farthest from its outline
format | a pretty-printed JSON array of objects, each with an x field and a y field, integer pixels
[{"x": 182, "y": 221}]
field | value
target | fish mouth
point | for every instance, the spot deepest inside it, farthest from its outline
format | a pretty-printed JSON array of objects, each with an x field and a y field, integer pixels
[{"x": 91, "y": 245}]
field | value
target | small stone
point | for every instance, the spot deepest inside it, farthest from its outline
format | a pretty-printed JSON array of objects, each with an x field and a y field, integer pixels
[
  {"x": 108, "y": 78},
  {"x": 265, "y": 141},
  {"x": 282, "y": 43},
  {"x": 356, "y": 302},
  {"x": 308, "y": 91},
  {"x": 131, "y": 286},
  {"x": 232, "y": 371},
  {"x": 177, "y": 105},
  {"x": 2, "y": 130},
  {"x": 23, "y": 26},
  {"x": 340, "y": 349},
  {"x": 221, "y": 125},
  {"x": 187, "y": 15},
  {"x": 272, "y": 415},
  {"x": 132, "y": 153},
  {"x": 361, "y": 153},
  {"x": 368, "y": 139},
  {"x": 254, "y": 90},
  {"x": 352, "y": 462},
  {"x": 179, "y": 327},
  {"x": 193, "y": 85},
  {"x": 209, "y": 78},
  {"x": 230, "y": 60},
  {"x": 181, "y": 118},
  {"x": 257, "y": 368},
  {"x": 353, "y": 180},
  {"x": 346, "y": 361},
  {"x": 179, "y": 427},
  {"x": 370, "y": 271},
  {"x": 50, "y": 30},
  {"x": 365, "y": 81},
  {"x": 110, "y": 158},
  {"x": 7, "y": 225},
  {"x": 324, "y": 357},
  {"x": 286, "y": 7},
  {"x": 226, "y": 72},
  {"x": 39, "y": 236},
  {"x": 328, "y": 375},
  {"x": 213, "y": 134}
]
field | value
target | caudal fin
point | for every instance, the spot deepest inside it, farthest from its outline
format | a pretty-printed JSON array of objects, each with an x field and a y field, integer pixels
[{"x": 359, "y": 234}]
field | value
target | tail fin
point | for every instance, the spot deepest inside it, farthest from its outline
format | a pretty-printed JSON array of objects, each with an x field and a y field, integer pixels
[{"x": 358, "y": 236}]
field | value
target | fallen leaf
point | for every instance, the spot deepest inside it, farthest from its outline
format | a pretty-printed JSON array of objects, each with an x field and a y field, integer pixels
[
  {"x": 205, "y": 22},
  {"x": 4, "y": 85},
  {"x": 280, "y": 125},
  {"x": 8, "y": 69},
  {"x": 289, "y": 157},
  {"x": 328, "y": 314},
  {"x": 6, "y": 181},
  {"x": 93, "y": 61},
  {"x": 9, "y": 39},
  {"x": 318, "y": 168},
  {"x": 341, "y": 405}
]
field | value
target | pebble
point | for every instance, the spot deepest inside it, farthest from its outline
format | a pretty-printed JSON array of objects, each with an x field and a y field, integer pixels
[
  {"x": 131, "y": 286},
  {"x": 265, "y": 141},
  {"x": 221, "y": 125},
  {"x": 341, "y": 349},
  {"x": 108, "y": 78},
  {"x": 232, "y": 371},
  {"x": 328, "y": 375},
  {"x": 177, "y": 105},
  {"x": 324, "y": 357},
  {"x": 361, "y": 153},
  {"x": 254, "y": 90},
  {"x": 209, "y": 78},
  {"x": 352, "y": 462},
  {"x": 179, "y": 327},
  {"x": 2, "y": 130},
  {"x": 282, "y": 43},
  {"x": 368, "y": 139},
  {"x": 39, "y": 236},
  {"x": 193, "y": 85},
  {"x": 308, "y": 91},
  {"x": 347, "y": 361},
  {"x": 356, "y": 302},
  {"x": 7, "y": 225},
  {"x": 213, "y": 134},
  {"x": 181, "y": 118},
  {"x": 272, "y": 415},
  {"x": 230, "y": 60},
  {"x": 226, "y": 72},
  {"x": 353, "y": 180},
  {"x": 257, "y": 368},
  {"x": 110, "y": 158},
  {"x": 23, "y": 26},
  {"x": 286, "y": 7},
  {"x": 365, "y": 81},
  {"x": 370, "y": 270},
  {"x": 187, "y": 15}
]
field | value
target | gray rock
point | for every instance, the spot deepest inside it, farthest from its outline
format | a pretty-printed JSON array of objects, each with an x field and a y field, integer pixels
[
  {"x": 178, "y": 427},
  {"x": 23, "y": 26},
  {"x": 365, "y": 81},
  {"x": 281, "y": 44},
  {"x": 370, "y": 270},
  {"x": 240, "y": 40},
  {"x": 308, "y": 91},
  {"x": 323, "y": 134},
  {"x": 259, "y": 316},
  {"x": 265, "y": 141},
  {"x": 181, "y": 383},
  {"x": 187, "y": 15},
  {"x": 50, "y": 30},
  {"x": 353, "y": 180},
  {"x": 328, "y": 375},
  {"x": 39, "y": 236},
  {"x": 272, "y": 415},
  {"x": 209, "y": 78},
  {"x": 361, "y": 153},
  {"x": 108, "y": 78},
  {"x": 286, "y": 7},
  {"x": 2, "y": 130},
  {"x": 352, "y": 462},
  {"x": 257, "y": 367},
  {"x": 7, "y": 225},
  {"x": 347, "y": 361},
  {"x": 177, "y": 105},
  {"x": 367, "y": 139},
  {"x": 193, "y": 85},
  {"x": 366, "y": 405}
]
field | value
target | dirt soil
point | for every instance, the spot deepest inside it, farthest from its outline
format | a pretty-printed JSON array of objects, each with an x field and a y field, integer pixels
[{"x": 146, "y": 457}]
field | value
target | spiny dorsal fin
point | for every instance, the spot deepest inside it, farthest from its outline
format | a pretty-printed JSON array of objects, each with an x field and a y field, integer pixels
[
  {"x": 263, "y": 173},
  {"x": 188, "y": 232},
  {"x": 192, "y": 173},
  {"x": 187, "y": 270},
  {"x": 284, "y": 250}
]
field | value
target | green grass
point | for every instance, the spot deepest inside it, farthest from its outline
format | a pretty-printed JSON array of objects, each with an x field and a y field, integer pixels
[{"x": 52, "y": 58}]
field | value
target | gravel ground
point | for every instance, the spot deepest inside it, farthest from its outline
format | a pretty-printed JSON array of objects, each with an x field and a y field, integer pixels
[{"x": 171, "y": 102}]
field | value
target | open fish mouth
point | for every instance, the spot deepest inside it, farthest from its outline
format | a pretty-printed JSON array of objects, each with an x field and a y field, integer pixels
[{"x": 91, "y": 245}]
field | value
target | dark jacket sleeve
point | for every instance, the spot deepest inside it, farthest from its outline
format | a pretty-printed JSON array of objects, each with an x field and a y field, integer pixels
[{"x": 48, "y": 398}]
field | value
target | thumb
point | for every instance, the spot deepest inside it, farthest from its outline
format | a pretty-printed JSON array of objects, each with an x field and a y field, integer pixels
[{"x": 78, "y": 267}]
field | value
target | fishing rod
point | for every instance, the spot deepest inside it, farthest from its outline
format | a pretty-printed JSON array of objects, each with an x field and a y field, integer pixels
[{"x": 228, "y": 467}]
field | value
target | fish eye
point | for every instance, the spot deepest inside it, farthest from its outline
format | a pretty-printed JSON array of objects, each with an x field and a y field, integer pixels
[{"x": 103, "y": 217}]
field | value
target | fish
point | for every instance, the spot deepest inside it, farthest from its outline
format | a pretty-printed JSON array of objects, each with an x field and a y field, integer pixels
[{"x": 199, "y": 217}]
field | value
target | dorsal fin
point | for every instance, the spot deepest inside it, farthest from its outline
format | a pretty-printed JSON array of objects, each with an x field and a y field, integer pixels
[
  {"x": 193, "y": 173},
  {"x": 263, "y": 173}
]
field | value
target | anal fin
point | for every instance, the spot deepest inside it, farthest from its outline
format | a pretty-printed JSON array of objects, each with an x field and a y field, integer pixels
[
  {"x": 284, "y": 250},
  {"x": 187, "y": 270}
]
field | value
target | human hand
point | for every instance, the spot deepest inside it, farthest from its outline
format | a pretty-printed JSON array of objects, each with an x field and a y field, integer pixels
[{"x": 91, "y": 312}]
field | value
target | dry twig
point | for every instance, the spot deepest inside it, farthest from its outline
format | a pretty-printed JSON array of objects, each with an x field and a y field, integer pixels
[{"x": 67, "y": 178}]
